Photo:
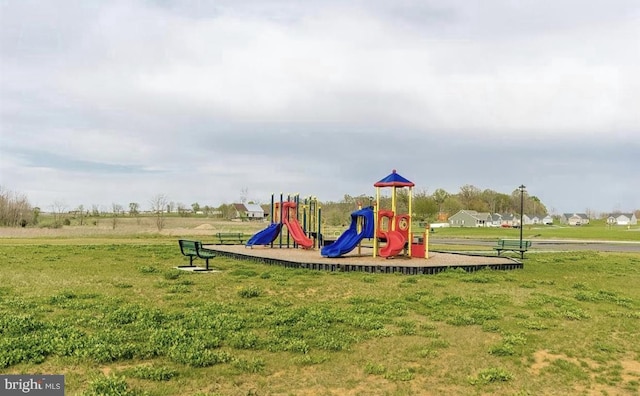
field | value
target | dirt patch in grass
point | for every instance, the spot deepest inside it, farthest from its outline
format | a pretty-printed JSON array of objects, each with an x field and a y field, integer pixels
[
  {"x": 545, "y": 358},
  {"x": 205, "y": 227},
  {"x": 131, "y": 226},
  {"x": 630, "y": 371}
]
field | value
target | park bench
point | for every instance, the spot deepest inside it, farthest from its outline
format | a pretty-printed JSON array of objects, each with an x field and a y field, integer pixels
[
  {"x": 513, "y": 245},
  {"x": 230, "y": 238},
  {"x": 194, "y": 249}
]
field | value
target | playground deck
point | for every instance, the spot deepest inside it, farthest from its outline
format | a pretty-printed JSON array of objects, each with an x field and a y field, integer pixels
[{"x": 364, "y": 262}]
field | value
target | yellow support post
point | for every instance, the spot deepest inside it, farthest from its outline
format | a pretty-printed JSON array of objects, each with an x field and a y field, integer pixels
[
  {"x": 376, "y": 223},
  {"x": 426, "y": 241},
  {"x": 410, "y": 218},
  {"x": 393, "y": 208},
  {"x": 359, "y": 229}
]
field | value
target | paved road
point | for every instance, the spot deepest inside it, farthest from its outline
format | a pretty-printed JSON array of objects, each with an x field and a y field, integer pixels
[{"x": 552, "y": 244}]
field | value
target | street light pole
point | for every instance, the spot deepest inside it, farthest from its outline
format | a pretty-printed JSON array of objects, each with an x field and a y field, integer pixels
[{"x": 521, "y": 188}]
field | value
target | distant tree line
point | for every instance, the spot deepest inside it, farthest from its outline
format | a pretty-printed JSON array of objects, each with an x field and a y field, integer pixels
[
  {"x": 439, "y": 204},
  {"x": 15, "y": 209}
]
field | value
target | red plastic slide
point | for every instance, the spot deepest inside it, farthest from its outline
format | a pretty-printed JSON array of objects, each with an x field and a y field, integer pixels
[
  {"x": 395, "y": 244},
  {"x": 298, "y": 235}
]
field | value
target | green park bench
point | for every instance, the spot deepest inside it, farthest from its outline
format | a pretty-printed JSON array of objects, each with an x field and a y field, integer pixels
[
  {"x": 194, "y": 249},
  {"x": 230, "y": 238},
  {"x": 513, "y": 245}
]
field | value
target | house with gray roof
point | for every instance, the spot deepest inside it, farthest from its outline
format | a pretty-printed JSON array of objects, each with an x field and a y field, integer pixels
[
  {"x": 574, "y": 219},
  {"x": 496, "y": 220},
  {"x": 249, "y": 211},
  {"x": 509, "y": 220},
  {"x": 622, "y": 219},
  {"x": 470, "y": 218}
]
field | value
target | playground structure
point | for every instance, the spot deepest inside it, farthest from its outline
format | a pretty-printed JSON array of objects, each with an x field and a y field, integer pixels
[
  {"x": 395, "y": 228},
  {"x": 386, "y": 226},
  {"x": 391, "y": 231},
  {"x": 286, "y": 213},
  {"x": 362, "y": 226}
]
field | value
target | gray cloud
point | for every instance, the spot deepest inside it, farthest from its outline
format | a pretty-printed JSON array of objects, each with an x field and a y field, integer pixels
[{"x": 322, "y": 98}]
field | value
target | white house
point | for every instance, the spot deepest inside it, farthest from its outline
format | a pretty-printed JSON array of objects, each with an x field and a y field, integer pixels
[
  {"x": 496, "y": 220},
  {"x": 509, "y": 220},
  {"x": 574, "y": 219},
  {"x": 249, "y": 211},
  {"x": 622, "y": 219},
  {"x": 526, "y": 219},
  {"x": 548, "y": 220},
  {"x": 470, "y": 218}
]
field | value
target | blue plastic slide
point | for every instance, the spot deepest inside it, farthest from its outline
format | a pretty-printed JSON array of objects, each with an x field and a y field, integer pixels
[
  {"x": 265, "y": 236},
  {"x": 351, "y": 237}
]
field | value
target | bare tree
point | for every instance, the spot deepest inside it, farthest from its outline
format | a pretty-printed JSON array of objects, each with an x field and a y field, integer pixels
[
  {"x": 80, "y": 214},
  {"x": 244, "y": 195},
  {"x": 58, "y": 209},
  {"x": 439, "y": 196},
  {"x": 134, "y": 210},
  {"x": 469, "y": 196},
  {"x": 116, "y": 210},
  {"x": 159, "y": 204},
  {"x": 14, "y": 209},
  {"x": 182, "y": 209},
  {"x": 591, "y": 214},
  {"x": 95, "y": 213}
]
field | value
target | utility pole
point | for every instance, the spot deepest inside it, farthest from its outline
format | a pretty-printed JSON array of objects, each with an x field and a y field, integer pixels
[{"x": 521, "y": 188}]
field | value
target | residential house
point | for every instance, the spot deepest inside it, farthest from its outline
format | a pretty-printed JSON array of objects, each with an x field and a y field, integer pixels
[
  {"x": 266, "y": 209},
  {"x": 470, "y": 218},
  {"x": 529, "y": 220},
  {"x": 574, "y": 219},
  {"x": 496, "y": 220},
  {"x": 548, "y": 220},
  {"x": 509, "y": 220},
  {"x": 622, "y": 219},
  {"x": 249, "y": 211}
]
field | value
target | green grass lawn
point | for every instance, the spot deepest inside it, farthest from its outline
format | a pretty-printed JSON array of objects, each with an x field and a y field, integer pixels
[
  {"x": 596, "y": 230},
  {"x": 116, "y": 318}
]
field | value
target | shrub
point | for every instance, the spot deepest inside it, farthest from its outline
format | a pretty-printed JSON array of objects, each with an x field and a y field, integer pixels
[
  {"x": 249, "y": 366},
  {"x": 146, "y": 269},
  {"x": 195, "y": 356},
  {"x": 243, "y": 340},
  {"x": 172, "y": 274},
  {"x": 400, "y": 375},
  {"x": 374, "y": 368},
  {"x": 152, "y": 373},
  {"x": 249, "y": 292},
  {"x": 111, "y": 385},
  {"x": 490, "y": 375}
]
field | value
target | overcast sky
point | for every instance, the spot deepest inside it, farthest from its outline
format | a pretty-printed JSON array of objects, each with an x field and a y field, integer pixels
[{"x": 119, "y": 101}]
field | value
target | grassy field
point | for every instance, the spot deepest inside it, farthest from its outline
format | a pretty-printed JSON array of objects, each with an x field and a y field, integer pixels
[
  {"x": 144, "y": 228},
  {"x": 108, "y": 310},
  {"x": 596, "y": 230}
]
